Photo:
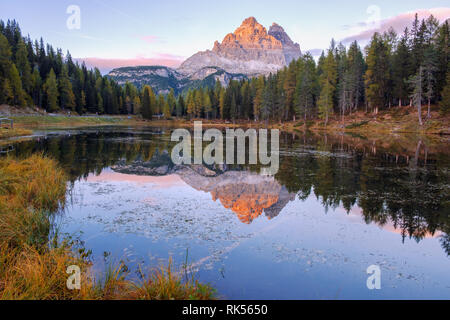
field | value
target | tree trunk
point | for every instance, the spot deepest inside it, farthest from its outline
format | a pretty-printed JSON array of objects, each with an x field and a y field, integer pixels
[
  {"x": 419, "y": 109},
  {"x": 429, "y": 109}
]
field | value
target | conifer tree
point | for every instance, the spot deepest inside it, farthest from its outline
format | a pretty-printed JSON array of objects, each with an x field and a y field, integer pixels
[
  {"x": 171, "y": 100},
  {"x": 328, "y": 87},
  {"x": 306, "y": 86},
  {"x": 51, "y": 92},
  {"x": 100, "y": 108},
  {"x": 222, "y": 103},
  {"x": 147, "y": 111},
  {"x": 23, "y": 66},
  {"x": 66, "y": 95},
  {"x": 401, "y": 69},
  {"x": 166, "y": 110},
  {"x": 207, "y": 104},
  {"x": 445, "y": 102},
  {"x": 377, "y": 74},
  {"x": 36, "y": 87},
  {"x": 259, "y": 98},
  {"x": 180, "y": 106}
]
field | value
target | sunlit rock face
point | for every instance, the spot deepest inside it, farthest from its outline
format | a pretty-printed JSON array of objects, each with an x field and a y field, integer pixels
[
  {"x": 250, "y": 50},
  {"x": 247, "y": 194}
]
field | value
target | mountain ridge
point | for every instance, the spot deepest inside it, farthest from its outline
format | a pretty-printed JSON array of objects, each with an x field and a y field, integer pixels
[{"x": 248, "y": 52}]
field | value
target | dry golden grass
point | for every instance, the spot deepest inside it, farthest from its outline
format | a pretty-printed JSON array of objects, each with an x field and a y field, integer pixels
[
  {"x": 33, "y": 266},
  {"x": 16, "y": 132}
]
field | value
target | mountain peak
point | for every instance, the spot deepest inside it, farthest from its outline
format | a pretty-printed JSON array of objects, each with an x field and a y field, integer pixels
[
  {"x": 250, "y": 21},
  {"x": 276, "y": 25},
  {"x": 250, "y": 50}
]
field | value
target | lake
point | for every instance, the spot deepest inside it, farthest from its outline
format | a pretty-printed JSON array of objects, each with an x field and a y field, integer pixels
[{"x": 338, "y": 205}]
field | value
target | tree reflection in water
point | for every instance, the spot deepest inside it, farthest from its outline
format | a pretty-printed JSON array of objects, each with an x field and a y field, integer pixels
[{"x": 403, "y": 183}]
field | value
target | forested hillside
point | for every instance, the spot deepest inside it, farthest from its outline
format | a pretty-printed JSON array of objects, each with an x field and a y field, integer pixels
[{"x": 393, "y": 70}]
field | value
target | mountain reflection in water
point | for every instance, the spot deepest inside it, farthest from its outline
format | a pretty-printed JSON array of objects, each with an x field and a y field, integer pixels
[
  {"x": 400, "y": 186},
  {"x": 247, "y": 194}
]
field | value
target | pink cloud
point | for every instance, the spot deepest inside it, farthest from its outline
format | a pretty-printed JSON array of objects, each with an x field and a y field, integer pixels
[
  {"x": 399, "y": 23},
  {"x": 106, "y": 65},
  {"x": 150, "y": 39}
]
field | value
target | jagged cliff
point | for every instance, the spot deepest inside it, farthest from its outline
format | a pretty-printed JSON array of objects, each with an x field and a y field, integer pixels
[{"x": 250, "y": 50}]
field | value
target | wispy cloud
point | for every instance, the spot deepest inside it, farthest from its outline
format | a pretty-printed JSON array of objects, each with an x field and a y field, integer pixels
[
  {"x": 149, "y": 39},
  {"x": 398, "y": 22},
  {"x": 79, "y": 36},
  {"x": 106, "y": 65},
  {"x": 120, "y": 12}
]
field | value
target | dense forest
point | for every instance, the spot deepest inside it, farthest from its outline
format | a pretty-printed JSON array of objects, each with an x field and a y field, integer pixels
[{"x": 393, "y": 70}]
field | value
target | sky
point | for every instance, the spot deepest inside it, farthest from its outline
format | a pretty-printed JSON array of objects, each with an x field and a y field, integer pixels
[{"x": 114, "y": 33}]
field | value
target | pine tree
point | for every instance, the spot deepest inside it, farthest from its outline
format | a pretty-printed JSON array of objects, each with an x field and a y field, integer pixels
[
  {"x": 304, "y": 92},
  {"x": 401, "y": 69},
  {"x": 16, "y": 85},
  {"x": 355, "y": 78},
  {"x": 5, "y": 66},
  {"x": 222, "y": 103},
  {"x": 7, "y": 95},
  {"x": 100, "y": 108},
  {"x": 289, "y": 89},
  {"x": 172, "y": 101},
  {"x": 343, "y": 87},
  {"x": 147, "y": 111},
  {"x": 233, "y": 108},
  {"x": 36, "y": 87},
  {"x": 445, "y": 102},
  {"x": 23, "y": 66},
  {"x": 180, "y": 106},
  {"x": 216, "y": 100},
  {"x": 51, "y": 91},
  {"x": 198, "y": 99},
  {"x": 66, "y": 95},
  {"x": 417, "y": 43},
  {"x": 160, "y": 101},
  {"x": 207, "y": 104},
  {"x": 328, "y": 84},
  {"x": 377, "y": 74},
  {"x": 166, "y": 110},
  {"x": 442, "y": 47},
  {"x": 259, "y": 97},
  {"x": 429, "y": 69}
]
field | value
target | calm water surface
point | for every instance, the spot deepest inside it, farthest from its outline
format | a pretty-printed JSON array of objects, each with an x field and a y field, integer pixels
[{"x": 338, "y": 205}]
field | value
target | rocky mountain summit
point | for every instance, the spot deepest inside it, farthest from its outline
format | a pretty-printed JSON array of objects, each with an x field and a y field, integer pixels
[{"x": 250, "y": 50}]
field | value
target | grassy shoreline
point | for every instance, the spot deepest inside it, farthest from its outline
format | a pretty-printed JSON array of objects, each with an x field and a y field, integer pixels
[
  {"x": 394, "y": 121},
  {"x": 33, "y": 264},
  {"x": 16, "y": 132}
]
